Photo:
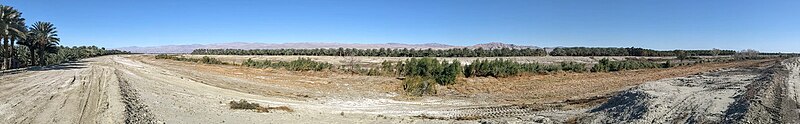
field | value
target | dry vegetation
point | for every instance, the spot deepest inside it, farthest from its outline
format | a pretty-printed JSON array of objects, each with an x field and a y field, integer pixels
[{"x": 243, "y": 104}]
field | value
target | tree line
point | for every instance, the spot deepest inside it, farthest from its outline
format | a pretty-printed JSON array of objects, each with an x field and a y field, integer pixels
[
  {"x": 384, "y": 52},
  {"x": 36, "y": 44},
  {"x": 467, "y": 52},
  {"x": 204, "y": 59},
  {"x": 610, "y": 51}
]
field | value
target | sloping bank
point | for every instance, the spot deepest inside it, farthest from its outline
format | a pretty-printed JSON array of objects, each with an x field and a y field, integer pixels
[{"x": 735, "y": 95}]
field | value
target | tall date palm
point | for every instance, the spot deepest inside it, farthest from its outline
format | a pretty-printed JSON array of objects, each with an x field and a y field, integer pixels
[
  {"x": 12, "y": 28},
  {"x": 43, "y": 36}
]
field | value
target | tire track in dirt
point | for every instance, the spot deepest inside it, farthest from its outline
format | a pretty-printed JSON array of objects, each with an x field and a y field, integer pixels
[{"x": 83, "y": 94}]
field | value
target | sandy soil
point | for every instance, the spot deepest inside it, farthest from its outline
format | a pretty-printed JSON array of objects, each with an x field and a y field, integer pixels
[{"x": 140, "y": 89}]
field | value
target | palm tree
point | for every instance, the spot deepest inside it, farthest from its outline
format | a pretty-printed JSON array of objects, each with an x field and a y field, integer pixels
[
  {"x": 44, "y": 37},
  {"x": 12, "y": 27},
  {"x": 31, "y": 44}
]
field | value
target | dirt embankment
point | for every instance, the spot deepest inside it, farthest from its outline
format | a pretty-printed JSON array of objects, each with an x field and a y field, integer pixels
[{"x": 736, "y": 95}]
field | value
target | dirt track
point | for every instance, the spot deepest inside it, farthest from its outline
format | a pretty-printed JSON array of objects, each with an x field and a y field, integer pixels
[
  {"x": 73, "y": 93},
  {"x": 120, "y": 89}
]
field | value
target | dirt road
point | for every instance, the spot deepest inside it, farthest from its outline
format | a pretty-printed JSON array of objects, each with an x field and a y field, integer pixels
[
  {"x": 129, "y": 89},
  {"x": 71, "y": 93},
  {"x": 114, "y": 89}
]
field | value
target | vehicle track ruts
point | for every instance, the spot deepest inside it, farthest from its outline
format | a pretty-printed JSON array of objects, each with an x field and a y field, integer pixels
[{"x": 488, "y": 112}]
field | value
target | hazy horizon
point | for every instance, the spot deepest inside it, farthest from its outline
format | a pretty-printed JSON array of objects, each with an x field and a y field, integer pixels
[
  {"x": 429, "y": 43},
  {"x": 767, "y": 26}
]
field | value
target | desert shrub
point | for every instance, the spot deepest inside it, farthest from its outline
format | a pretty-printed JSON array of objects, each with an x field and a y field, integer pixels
[
  {"x": 209, "y": 60},
  {"x": 667, "y": 64},
  {"x": 243, "y": 104},
  {"x": 443, "y": 72},
  {"x": 606, "y": 65},
  {"x": 494, "y": 68},
  {"x": 165, "y": 56},
  {"x": 417, "y": 86},
  {"x": 449, "y": 74},
  {"x": 301, "y": 64},
  {"x": 505, "y": 68},
  {"x": 573, "y": 66},
  {"x": 204, "y": 59},
  {"x": 550, "y": 68}
]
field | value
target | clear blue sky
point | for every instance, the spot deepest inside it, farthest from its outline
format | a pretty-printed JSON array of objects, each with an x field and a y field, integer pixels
[{"x": 772, "y": 26}]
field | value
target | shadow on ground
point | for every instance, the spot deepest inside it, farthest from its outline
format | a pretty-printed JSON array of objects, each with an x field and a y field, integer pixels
[{"x": 63, "y": 66}]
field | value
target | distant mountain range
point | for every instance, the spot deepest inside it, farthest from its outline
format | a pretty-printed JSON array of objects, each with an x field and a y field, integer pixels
[{"x": 244, "y": 45}]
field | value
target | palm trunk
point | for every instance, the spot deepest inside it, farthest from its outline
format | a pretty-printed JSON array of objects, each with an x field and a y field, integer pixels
[
  {"x": 42, "y": 57},
  {"x": 32, "y": 55},
  {"x": 5, "y": 54},
  {"x": 12, "y": 62}
]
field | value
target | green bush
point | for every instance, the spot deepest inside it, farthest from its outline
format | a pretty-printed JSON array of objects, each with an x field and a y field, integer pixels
[
  {"x": 606, "y": 65},
  {"x": 505, "y": 68},
  {"x": 204, "y": 59},
  {"x": 301, "y": 64},
  {"x": 443, "y": 73},
  {"x": 209, "y": 60}
]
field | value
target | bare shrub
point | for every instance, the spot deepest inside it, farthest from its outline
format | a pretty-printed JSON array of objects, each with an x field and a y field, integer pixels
[{"x": 243, "y": 104}]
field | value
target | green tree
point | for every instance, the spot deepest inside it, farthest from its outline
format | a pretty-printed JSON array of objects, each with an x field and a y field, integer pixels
[
  {"x": 44, "y": 37},
  {"x": 12, "y": 28},
  {"x": 681, "y": 55}
]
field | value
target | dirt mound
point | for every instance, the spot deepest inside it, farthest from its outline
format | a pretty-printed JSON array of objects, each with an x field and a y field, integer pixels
[
  {"x": 703, "y": 98},
  {"x": 628, "y": 105}
]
